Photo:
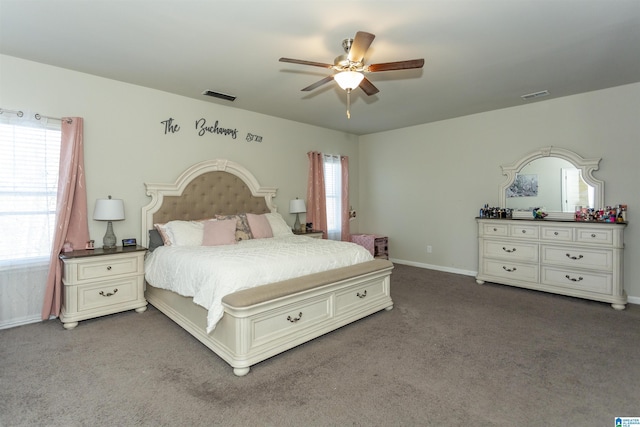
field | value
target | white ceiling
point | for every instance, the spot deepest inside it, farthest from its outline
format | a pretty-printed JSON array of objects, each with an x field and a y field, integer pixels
[{"x": 479, "y": 55}]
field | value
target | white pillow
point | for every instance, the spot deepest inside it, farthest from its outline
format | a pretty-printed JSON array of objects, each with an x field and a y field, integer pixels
[
  {"x": 185, "y": 233},
  {"x": 278, "y": 226}
]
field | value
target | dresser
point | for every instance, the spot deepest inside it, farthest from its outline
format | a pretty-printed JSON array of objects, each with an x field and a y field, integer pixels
[
  {"x": 578, "y": 259},
  {"x": 100, "y": 282}
]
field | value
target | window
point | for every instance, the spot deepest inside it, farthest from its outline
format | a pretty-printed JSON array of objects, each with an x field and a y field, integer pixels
[
  {"x": 333, "y": 190},
  {"x": 29, "y": 160}
]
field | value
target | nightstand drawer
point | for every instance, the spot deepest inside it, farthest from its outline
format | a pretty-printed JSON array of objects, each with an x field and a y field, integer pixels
[
  {"x": 107, "y": 294},
  {"x": 102, "y": 268}
]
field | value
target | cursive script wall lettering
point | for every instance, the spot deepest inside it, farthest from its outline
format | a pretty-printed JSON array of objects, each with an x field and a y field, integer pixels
[
  {"x": 169, "y": 127},
  {"x": 203, "y": 128}
]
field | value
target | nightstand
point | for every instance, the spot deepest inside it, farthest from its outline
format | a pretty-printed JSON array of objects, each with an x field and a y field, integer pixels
[
  {"x": 316, "y": 234},
  {"x": 100, "y": 282}
]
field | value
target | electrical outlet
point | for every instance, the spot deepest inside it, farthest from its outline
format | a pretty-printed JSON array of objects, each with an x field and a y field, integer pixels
[{"x": 429, "y": 249}]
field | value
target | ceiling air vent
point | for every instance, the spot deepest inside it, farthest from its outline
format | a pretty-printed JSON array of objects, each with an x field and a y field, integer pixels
[
  {"x": 529, "y": 96},
  {"x": 219, "y": 95}
]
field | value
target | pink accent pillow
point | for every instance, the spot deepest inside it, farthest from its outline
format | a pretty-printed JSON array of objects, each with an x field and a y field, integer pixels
[
  {"x": 220, "y": 232},
  {"x": 260, "y": 227}
]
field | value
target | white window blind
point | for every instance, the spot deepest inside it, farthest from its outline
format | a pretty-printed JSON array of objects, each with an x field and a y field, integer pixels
[
  {"x": 333, "y": 190},
  {"x": 29, "y": 163}
]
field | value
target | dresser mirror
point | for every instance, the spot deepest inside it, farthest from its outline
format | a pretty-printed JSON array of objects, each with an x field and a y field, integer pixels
[{"x": 554, "y": 179}]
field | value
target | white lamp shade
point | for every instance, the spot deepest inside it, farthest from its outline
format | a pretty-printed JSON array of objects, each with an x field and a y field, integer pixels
[
  {"x": 348, "y": 79},
  {"x": 297, "y": 206},
  {"x": 108, "y": 210}
]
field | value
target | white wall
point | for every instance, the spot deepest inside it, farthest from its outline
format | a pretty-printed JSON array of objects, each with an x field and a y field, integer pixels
[
  {"x": 125, "y": 145},
  {"x": 424, "y": 185}
]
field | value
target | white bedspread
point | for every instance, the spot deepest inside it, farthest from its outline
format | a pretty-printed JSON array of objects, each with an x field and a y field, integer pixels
[{"x": 208, "y": 273}]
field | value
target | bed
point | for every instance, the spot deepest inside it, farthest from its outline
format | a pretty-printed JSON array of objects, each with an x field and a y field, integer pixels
[{"x": 258, "y": 319}]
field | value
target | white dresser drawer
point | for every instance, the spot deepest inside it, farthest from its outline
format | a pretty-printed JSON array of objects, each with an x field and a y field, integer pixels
[
  {"x": 556, "y": 234},
  {"x": 89, "y": 269},
  {"x": 362, "y": 295},
  {"x": 576, "y": 257},
  {"x": 524, "y": 231},
  {"x": 511, "y": 270},
  {"x": 290, "y": 319},
  {"x": 579, "y": 280},
  {"x": 511, "y": 250},
  {"x": 114, "y": 292},
  {"x": 601, "y": 236},
  {"x": 495, "y": 229}
]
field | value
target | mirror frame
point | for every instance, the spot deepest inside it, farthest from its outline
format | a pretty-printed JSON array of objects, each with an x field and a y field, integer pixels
[{"x": 586, "y": 166}]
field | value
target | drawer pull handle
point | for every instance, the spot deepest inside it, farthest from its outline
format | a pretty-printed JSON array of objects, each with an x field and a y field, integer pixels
[
  {"x": 593, "y": 235},
  {"x": 509, "y": 269},
  {"x": 108, "y": 294},
  {"x": 555, "y": 233},
  {"x": 294, "y": 319},
  {"x": 108, "y": 268},
  {"x": 524, "y": 231},
  {"x": 495, "y": 229},
  {"x": 573, "y": 279},
  {"x": 508, "y": 250},
  {"x": 574, "y": 257},
  {"x": 362, "y": 295}
]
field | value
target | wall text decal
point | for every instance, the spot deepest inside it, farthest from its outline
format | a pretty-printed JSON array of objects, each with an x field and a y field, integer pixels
[
  {"x": 169, "y": 127},
  {"x": 203, "y": 128}
]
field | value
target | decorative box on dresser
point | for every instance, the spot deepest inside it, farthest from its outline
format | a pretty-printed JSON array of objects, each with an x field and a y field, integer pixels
[
  {"x": 100, "y": 282},
  {"x": 578, "y": 259}
]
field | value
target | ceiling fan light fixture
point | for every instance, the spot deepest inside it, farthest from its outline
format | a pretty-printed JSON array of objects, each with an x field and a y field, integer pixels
[{"x": 348, "y": 79}]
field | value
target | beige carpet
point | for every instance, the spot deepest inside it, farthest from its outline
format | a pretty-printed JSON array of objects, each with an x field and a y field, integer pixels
[{"x": 451, "y": 353}]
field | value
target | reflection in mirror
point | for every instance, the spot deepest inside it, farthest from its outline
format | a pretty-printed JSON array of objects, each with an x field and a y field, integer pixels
[
  {"x": 551, "y": 183},
  {"x": 552, "y": 178}
]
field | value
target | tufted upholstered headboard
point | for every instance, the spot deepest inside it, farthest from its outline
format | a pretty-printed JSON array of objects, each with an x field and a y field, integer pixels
[{"x": 207, "y": 188}]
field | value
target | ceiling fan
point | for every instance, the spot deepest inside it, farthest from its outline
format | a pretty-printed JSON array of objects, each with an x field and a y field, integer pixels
[{"x": 350, "y": 67}]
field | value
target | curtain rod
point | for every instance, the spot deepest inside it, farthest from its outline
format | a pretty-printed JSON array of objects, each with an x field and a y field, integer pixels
[{"x": 37, "y": 116}]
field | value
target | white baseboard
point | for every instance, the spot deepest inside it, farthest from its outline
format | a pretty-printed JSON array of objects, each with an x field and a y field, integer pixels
[
  {"x": 630, "y": 299},
  {"x": 435, "y": 267},
  {"x": 12, "y": 323}
]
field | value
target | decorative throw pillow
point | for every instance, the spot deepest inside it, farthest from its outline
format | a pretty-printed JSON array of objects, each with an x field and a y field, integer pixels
[
  {"x": 278, "y": 226},
  {"x": 259, "y": 225},
  {"x": 155, "y": 240},
  {"x": 220, "y": 232},
  {"x": 182, "y": 233},
  {"x": 243, "y": 231},
  {"x": 164, "y": 233}
]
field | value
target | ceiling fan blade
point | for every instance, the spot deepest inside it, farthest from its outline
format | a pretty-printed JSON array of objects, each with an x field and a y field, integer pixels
[
  {"x": 400, "y": 65},
  {"x": 368, "y": 87},
  {"x": 360, "y": 45},
  {"x": 318, "y": 83},
  {"x": 303, "y": 62}
]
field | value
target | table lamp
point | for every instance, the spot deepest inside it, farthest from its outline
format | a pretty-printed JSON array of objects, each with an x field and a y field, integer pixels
[
  {"x": 297, "y": 207},
  {"x": 109, "y": 210}
]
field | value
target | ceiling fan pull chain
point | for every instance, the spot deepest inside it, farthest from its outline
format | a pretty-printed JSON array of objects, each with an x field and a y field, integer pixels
[{"x": 348, "y": 103}]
